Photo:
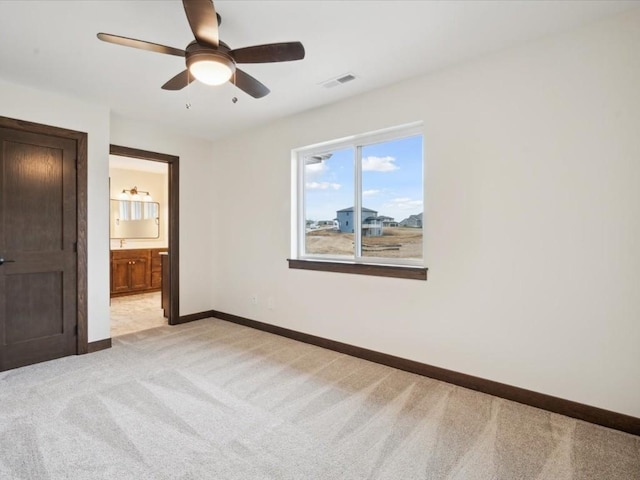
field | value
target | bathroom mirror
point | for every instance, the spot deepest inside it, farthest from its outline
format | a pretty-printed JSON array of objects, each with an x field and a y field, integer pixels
[{"x": 134, "y": 219}]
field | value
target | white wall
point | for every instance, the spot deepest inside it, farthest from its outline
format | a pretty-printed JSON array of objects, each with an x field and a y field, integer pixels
[
  {"x": 532, "y": 221},
  {"x": 196, "y": 275},
  {"x": 50, "y": 109},
  {"x": 196, "y": 203}
]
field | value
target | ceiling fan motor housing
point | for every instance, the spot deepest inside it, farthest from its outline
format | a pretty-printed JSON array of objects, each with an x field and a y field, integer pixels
[{"x": 218, "y": 57}]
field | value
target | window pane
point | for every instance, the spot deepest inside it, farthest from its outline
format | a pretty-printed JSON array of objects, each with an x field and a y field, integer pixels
[
  {"x": 392, "y": 199},
  {"x": 329, "y": 188}
]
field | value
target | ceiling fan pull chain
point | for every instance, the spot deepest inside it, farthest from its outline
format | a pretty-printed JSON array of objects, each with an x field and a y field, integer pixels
[
  {"x": 188, "y": 104},
  {"x": 234, "y": 100}
]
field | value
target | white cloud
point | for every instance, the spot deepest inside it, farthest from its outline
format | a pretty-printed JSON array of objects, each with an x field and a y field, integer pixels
[
  {"x": 379, "y": 164},
  {"x": 404, "y": 203},
  {"x": 370, "y": 193},
  {"x": 322, "y": 186},
  {"x": 315, "y": 169}
]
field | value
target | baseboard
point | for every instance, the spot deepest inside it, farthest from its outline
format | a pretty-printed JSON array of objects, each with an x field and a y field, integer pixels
[
  {"x": 106, "y": 343},
  {"x": 599, "y": 416},
  {"x": 195, "y": 316},
  {"x": 98, "y": 345}
]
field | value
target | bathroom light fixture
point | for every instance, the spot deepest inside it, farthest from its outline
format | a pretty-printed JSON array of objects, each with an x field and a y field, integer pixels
[{"x": 134, "y": 195}]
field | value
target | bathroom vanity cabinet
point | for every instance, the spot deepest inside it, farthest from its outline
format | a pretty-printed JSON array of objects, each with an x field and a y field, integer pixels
[{"x": 136, "y": 271}]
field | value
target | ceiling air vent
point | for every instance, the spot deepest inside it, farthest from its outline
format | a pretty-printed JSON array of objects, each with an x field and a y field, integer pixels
[
  {"x": 342, "y": 79},
  {"x": 346, "y": 78}
]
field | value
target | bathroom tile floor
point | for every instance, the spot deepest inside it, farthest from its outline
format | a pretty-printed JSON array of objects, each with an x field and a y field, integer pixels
[{"x": 133, "y": 313}]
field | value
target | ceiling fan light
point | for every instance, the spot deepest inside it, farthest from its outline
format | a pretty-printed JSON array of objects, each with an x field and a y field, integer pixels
[
  {"x": 211, "y": 68},
  {"x": 211, "y": 73}
]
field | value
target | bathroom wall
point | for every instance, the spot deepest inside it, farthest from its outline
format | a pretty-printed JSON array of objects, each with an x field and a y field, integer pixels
[{"x": 157, "y": 185}]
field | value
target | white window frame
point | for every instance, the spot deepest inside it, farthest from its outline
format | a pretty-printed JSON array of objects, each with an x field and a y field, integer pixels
[{"x": 356, "y": 142}]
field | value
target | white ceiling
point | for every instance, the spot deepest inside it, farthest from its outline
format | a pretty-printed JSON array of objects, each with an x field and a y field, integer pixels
[{"x": 52, "y": 45}]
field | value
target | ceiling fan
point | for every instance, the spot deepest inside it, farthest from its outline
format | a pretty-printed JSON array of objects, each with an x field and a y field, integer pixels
[{"x": 210, "y": 60}]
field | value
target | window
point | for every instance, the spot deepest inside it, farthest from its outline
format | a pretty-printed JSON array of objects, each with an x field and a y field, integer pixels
[{"x": 360, "y": 200}]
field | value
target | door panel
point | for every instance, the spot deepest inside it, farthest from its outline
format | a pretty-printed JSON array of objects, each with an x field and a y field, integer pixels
[
  {"x": 33, "y": 192},
  {"x": 139, "y": 269},
  {"x": 38, "y": 231},
  {"x": 120, "y": 275},
  {"x": 29, "y": 320}
]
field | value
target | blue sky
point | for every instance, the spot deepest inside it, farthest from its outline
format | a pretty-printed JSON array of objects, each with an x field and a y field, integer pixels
[{"x": 391, "y": 180}]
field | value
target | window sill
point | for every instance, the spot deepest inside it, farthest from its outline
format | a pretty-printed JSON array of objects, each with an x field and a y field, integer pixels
[{"x": 395, "y": 271}]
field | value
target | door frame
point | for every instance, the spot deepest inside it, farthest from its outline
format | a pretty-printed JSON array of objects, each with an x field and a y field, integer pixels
[
  {"x": 173, "y": 163},
  {"x": 82, "y": 345}
]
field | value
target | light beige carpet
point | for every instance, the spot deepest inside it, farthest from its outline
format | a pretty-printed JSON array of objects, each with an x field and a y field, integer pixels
[{"x": 213, "y": 400}]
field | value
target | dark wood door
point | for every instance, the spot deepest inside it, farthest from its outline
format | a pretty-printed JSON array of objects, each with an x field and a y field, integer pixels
[{"x": 38, "y": 235}]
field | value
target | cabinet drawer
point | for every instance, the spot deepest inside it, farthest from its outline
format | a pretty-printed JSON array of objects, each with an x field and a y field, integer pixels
[
  {"x": 156, "y": 260},
  {"x": 156, "y": 264},
  {"x": 133, "y": 254},
  {"x": 156, "y": 279}
]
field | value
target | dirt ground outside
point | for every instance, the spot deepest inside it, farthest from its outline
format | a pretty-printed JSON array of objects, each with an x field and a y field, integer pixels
[{"x": 395, "y": 242}]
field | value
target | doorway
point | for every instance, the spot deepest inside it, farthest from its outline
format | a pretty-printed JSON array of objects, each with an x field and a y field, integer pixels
[
  {"x": 142, "y": 310},
  {"x": 43, "y": 243}
]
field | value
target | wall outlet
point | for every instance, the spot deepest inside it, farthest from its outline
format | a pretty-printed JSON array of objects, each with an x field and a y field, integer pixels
[
  {"x": 271, "y": 303},
  {"x": 253, "y": 299}
]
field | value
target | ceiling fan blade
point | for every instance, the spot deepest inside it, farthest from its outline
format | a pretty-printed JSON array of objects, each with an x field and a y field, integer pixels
[
  {"x": 178, "y": 82},
  {"x": 272, "y": 52},
  {"x": 141, "y": 44},
  {"x": 203, "y": 21},
  {"x": 248, "y": 84}
]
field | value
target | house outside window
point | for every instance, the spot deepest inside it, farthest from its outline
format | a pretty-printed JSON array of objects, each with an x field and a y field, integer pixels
[{"x": 363, "y": 197}]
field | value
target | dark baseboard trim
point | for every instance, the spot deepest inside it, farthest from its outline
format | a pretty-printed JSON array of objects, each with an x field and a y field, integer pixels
[
  {"x": 599, "y": 416},
  {"x": 195, "y": 316},
  {"x": 98, "y": 345}
]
